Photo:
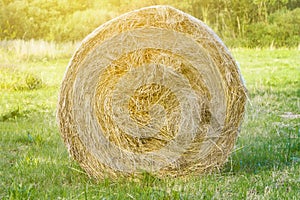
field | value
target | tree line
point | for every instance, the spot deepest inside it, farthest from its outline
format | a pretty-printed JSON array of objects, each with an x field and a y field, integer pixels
[{"x": 247, "y": 23}]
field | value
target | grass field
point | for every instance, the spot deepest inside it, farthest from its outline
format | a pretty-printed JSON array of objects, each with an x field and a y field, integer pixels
[{"x": 34, "y": 162}]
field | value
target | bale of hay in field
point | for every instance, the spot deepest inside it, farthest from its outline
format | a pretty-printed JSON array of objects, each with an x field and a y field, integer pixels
[{"x": 153, "y": 90}]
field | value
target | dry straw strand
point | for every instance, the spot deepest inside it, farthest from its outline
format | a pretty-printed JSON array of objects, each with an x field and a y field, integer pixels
[{"x": 153, "y": 90}]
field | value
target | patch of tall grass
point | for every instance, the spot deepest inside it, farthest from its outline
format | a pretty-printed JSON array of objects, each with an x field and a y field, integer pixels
[
  {"x": 30, "y": 64},
  {"x": 14, "y": 79},
  {"x": 34, "y": 50}
]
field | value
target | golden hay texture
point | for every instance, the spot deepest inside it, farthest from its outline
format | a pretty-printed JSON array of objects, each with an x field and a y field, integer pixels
[{"x": 153, "y": 90}]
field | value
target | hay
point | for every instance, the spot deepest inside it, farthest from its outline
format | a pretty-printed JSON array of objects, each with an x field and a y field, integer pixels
[{"x": 153, "y": 90}]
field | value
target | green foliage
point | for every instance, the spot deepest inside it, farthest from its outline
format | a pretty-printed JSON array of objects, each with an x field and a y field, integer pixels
[
  {"x": 11, "y": 115},
  {"x": 77, "y": 25},
  {"x": 12, "y": 79},
  {"x": 238, "y": 22},
  {"x": 282, "y": 29},
  {"x": 20, "y": 191},
  {"x": 35, "y": 19},
  {"x": 33, "y": 82}
]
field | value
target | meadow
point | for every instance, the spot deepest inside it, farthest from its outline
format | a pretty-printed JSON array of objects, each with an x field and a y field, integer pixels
[{"x": 35, "y": 164}]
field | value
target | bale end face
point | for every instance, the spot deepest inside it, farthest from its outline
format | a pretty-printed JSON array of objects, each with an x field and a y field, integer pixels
[{"x": 153, "y": 90}]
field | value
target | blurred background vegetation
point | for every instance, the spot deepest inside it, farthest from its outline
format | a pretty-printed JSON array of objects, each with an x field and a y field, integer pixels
[{"x": 240, "y": 23}]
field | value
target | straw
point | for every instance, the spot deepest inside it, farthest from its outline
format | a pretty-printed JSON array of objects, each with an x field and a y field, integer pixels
[{"x": 153, "y": 90}]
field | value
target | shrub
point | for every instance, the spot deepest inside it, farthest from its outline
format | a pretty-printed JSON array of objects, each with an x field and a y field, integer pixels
[
  {"x": 282, "y": 29},
  {"x": 76, "y": 26},
  {"x": 12, "y": 79}
]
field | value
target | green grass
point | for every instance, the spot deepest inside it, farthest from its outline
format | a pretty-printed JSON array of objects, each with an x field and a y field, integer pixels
[{"x": 35, "y": 164}]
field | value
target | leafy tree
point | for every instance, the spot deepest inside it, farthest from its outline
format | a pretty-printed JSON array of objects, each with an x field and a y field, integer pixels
[{"x": 238, "y": 22}]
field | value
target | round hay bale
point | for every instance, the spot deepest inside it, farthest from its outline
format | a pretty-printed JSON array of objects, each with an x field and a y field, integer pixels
[{"x": 153, "y": 90}]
